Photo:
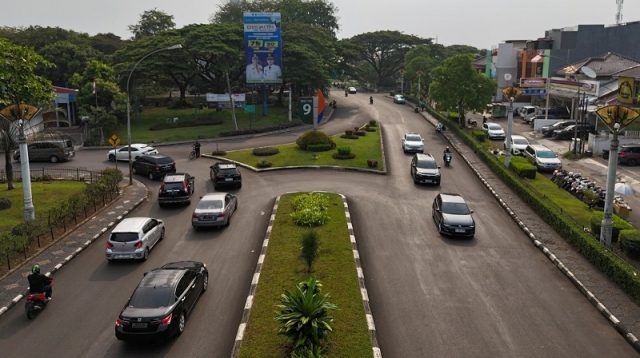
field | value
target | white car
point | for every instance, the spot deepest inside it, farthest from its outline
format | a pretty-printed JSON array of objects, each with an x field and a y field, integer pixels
[
  {"x": 412, "y": 143},
  {"x": 137, "y": 150},
  {"x": 352, "y": 90},
  {"x": 133, "y": 238},
  {"x": 518, "y": 144},
  {"x": 494, "y": 130}
]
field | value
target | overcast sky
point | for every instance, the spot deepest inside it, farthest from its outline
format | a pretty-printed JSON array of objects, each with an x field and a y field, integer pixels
[{"x": 478, "y": 23}]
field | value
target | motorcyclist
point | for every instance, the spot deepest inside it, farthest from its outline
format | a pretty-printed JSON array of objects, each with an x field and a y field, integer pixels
[
  {"x": 439, "y": 127},
  {"x": 370, "y": 99},
  {"x": 39, "y": 283},
  {"x": 446, "y": 153},
  {"x": 196, "y": 148}
]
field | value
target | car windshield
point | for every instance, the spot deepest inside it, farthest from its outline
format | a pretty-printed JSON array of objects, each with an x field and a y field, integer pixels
[
  {"x": 151, "y": 297},
  {"x": 546, "y": 154},
  {"x": 414, "y": 138},
  {"x": 124, "y": 236},
  {"x": 494, "y": 127},
  {"x": 455, "y": 208},
  {"x": 427, "y": 164},
  {"x": 210, "y": 204},
  {"x": 520, "y": 141}
]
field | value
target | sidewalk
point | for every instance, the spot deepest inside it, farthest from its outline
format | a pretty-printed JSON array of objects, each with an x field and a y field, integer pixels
[{"x": 52, "y": 258}]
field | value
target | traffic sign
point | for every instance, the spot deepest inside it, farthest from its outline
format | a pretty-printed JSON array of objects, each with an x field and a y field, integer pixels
[
  {"x": 617, "y": 114},
  {"x": 114, "y": 140},
  {"x": 512, "y": 92}
]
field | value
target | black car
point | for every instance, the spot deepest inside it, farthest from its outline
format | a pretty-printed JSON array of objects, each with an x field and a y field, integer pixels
[
  {"x": 547, "y": 131},
  {"x": 570, "y": 131},
  {"x": 225, "y": 174},
  {"x": 452, "y": 215},
  {"x": 153, "y": 165},
  {"x": 162, "y": 301},
  {"x": 176, "y": 189},
  {"x": 424, "y": 169}
]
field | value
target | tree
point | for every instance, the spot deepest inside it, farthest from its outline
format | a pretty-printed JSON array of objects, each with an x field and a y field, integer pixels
[
  {"x": 68, "y": 59},
  {"x": 38, "y": 37},
  {"x": 457, "y": 85},
  {"x": 152, "y": 22},
  {"x": 418, "y": 64},
  {"x": 19, "y": 85},
  {"x": 106, "y": 43}
]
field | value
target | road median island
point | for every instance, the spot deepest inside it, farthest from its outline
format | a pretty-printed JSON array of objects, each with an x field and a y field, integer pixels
[{"x": 282, "y": 268}]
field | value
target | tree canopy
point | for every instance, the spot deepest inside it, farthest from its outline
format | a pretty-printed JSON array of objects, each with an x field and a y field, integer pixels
[{"x": 152, "y": 22}]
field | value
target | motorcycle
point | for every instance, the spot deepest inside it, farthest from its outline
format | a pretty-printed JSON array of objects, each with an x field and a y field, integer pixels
[
  {"x": 34, "y": 303},
  {"x": 447, "y": 159},
  {"x": 440, "y": 128}
]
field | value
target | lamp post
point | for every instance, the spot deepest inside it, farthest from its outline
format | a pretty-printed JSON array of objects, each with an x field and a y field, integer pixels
[
  {"x": 607, "y": 223},
  {"x": 29, "y": 211},
  {"x": 511, "y": 93},
  {"x": 174, "y": 47}
]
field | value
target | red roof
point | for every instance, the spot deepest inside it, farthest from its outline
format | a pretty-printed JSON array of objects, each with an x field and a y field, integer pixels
[{"x": 60, "y": 90}]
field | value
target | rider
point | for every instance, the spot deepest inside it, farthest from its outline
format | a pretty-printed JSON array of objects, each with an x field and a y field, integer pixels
[
  {"x": 196, "y": 148},
  {"x": 370, "y": 99},
  {"x": 38, "y": 282},
  {"x": 446, "y": 152}
]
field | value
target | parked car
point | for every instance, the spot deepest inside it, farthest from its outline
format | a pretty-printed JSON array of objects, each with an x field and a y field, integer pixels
[
  {"x": 629, "y": 154},
  {"x": 399, "y": 99},
  {"x": 160, "y": 305},
  {"x": 153, "y": 166},
  {"x": 214, "y": 210},
  {"x": 54, "y": 151},
  {"x": 542, "y": 157},
  {"x": 527, "y": 111},
  {"x": 424, "y": 169},
  {"x": 570, "y": 131},
  {"x": 352, "y": 90},
  {"x": 547, "y": 131},
  {"x": 225, "y": 174},
  {"x": 412, "y": 143},
  {"x": 452, "y": 215},
  {"x": 176, "y": 189},
  {"x": 133, "y": 238},
  {"x": 493, "y": 130},
  {"x": 518, "y": 144},
  {"x": 137, "y": 150}
]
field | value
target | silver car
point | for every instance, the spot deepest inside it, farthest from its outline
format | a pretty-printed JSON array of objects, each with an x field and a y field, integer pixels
[
  {"x": 133, "y": 238},
  {"x": 214, "y": 209}
]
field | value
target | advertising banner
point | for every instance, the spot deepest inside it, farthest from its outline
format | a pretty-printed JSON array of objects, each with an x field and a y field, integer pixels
[
  {"x": 224, "y": 97},
  {"x": 263, "y": 47},
  {"x": 557, "y": 85}
]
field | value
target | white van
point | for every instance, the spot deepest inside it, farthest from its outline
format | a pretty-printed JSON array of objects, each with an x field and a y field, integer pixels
[{"x": 527, "y": 112}]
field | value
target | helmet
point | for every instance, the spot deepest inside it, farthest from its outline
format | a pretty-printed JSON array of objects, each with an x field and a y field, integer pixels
[
  {"x": 447, "y": 149},
  {"x": 35, "y": 268}
]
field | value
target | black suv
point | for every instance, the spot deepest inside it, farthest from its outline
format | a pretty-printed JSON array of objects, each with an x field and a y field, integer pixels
[
  {"x": 547, "y": 131},
  {"x": 153, "y": 165},
  {"x": 176, "y": 189},
  {"x": 629, "y": 154},
  {"x": 225, "y": 174},
  {"x": 424, "y": 169}
]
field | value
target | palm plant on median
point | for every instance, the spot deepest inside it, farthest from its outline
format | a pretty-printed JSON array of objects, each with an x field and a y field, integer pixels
[
  {"x": 309, "y": 250},
  {"x": 304, "y": 316}
]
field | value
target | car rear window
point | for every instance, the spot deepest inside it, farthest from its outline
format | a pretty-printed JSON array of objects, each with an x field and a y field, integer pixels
[
  {"x": 151, "y": 297},
  {"x": 164, "y": 160},
  {"x": 173, "y": 186},
  {"x": 228, "y": 171},
  {"x": 455, "y": 208},
  {"x": 210, "y": 204},
  {"x": 124, "y": 236}
]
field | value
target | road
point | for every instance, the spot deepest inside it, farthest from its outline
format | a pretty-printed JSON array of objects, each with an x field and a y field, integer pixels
[{"x": 493, "y": 296}]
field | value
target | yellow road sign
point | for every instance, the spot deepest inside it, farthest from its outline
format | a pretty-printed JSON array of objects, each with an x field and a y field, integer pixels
[
  {"x": 114, "y": 140},
  {"x": 512, "y": 92},
  {"x": 611, "y": 115}
]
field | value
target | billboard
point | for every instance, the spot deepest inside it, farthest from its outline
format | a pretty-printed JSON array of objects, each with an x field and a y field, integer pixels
[{"x": 263, "y": 47}]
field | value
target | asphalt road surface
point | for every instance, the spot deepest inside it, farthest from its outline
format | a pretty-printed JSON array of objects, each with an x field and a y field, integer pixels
[{"x": 493, "y": 296}]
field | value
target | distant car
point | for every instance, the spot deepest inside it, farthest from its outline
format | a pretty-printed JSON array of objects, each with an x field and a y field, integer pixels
[
  {"x": 452, "y": 215},
  {"x": 352, "y": 90},
  {"x": 570, "y": 131},
  {"x": 214, "y": 210},
  {"x": 160, "y": 305},
  {"x": 412, "y": 143},
  {"x": 399, "y": 99},
  {"x": 133, "y": 238},
  {"x": 424, "y": 169},
  {"x": 542, "y": 157},
  {"x": 136, "y": 151},
  {"x": 518, "y": 144},
  {"x": 493, "y": 130},
  {"x": 547, "y": 131},
  {"x": 153, "y": 166},
  {"x": 225, "y": 174},
  {"x": 176, "y": 189},
  {"x": 629, "y": 154}
]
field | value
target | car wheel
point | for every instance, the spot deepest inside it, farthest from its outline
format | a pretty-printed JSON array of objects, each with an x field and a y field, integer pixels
[
  {"x": 161, "y": 235},
  {"x": 181, "y": 324},
  {"x": 228, "y": 222},
  {"x": 134, "y": 170},
  {"x": 146, "y": 255},
  {"x": 54, "y": 159},
  {"x": 161, "y": 205},
  {"x": 151, "y": 176},
  {"x": 631, "y": 162},
  {"x": 239, "y": 185},
  {"x": 195, "y": 228},
  {"x": 112, "y": 158},
  {"x": 440, "y": 228},
  {"x": 205, "y": 282}
]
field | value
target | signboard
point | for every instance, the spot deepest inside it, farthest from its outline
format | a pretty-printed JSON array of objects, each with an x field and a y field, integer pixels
[
  {"x": 626, "y": 89},
  {"x": 250, "y": 108},
  {"x": 224, "y": 97},
  {"x": 534, "y": 91},
  {"x": 114, "y": 140},
  {"x": 572, "y": 87},
  {"x": 306, "y": 109},
  {"x": 263, "y": 47},
  {"x": 533, "y": 82},
  {"x": 611, "y": 115}
]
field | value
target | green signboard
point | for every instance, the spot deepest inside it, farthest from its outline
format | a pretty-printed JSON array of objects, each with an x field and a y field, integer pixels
[
  {"x": 250, "y": 108},
  {"x": 306, "y": 109}
]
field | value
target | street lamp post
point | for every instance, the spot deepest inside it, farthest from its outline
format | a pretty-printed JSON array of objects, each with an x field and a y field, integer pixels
[
  {"x": 29, "y": 211},
  {"x": 607, "y": 223},
  {"x": 507, "y": 154},
  {"x": 174, "y": 47}
]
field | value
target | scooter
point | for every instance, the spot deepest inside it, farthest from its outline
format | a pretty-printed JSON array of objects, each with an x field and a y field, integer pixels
[
  {"x": 447, "y": 159},
  {"x": 34, "y": 303},
  {"x": 440, "y": 128}
]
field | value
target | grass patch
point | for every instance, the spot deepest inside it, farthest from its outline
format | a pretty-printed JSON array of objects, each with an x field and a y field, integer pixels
[
  {"x": 563, "y": 199},
  {"x": 140, "y": 132},
  {"x": 283, "y": 268},
  {"x": 367, "y": 147},
  {"x": 46, "y": 195}
]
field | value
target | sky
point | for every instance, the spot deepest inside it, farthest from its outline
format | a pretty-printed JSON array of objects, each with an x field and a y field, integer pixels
[{"x": 478, "y": 23}]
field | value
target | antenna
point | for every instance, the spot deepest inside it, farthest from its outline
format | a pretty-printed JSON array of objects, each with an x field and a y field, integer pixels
[{"x": 619, "y": 13}]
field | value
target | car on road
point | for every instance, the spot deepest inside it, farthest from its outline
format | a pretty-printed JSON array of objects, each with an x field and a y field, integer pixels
[
  {"x": 133, "y": 238},
  {"x": 137, "y": 150},
  {"x": 452, "y": 215},
  {"x": 412, "y": 143},
  {"x": 400, "y": 99},
  {"x": 162, "y": 301},
  {"x": 493, "y": 130},
  {"x": 214, "y": 210},
  {"x": 542, "y": 157},
  {"x": 225, "y": 175},
  {"x": 352, "y": 90},
  {"x": 547, "y": 131},
  {"x": 629, "y": 154},
  {"x": 570, "y": 131},
  {"x": 425, "y": 169},
  {"x": 53, "y": 150},
  {"x": 176, "y": 189},
  {"x": 518, "y": 144},
  {"x": 153, "y": 166}
]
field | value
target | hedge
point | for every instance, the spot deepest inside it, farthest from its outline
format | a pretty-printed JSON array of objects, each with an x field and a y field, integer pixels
[
  {"x": 630, "y": 242},
  {"x": 523, "y": 167},
  {"x": 618, "y": 224}
]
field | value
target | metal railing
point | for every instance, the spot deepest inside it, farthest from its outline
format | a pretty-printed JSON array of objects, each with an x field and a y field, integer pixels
[{"x": 76, "y": 174}]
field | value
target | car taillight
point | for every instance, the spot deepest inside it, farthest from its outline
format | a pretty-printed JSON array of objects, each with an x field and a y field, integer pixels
[
  {"x": 118, "y": 322},
  {"x": 184, "y": 187},
  {"x": 109, "y": 245},
  {"x": 138, "y": 244},
  {"x": 156, "y": 168},
  {"x": 162, "y": 186},
  {"x": 194, "y": 216},
  {"x": 221, "y": 215},
  {"x": 167, "y": 320}
]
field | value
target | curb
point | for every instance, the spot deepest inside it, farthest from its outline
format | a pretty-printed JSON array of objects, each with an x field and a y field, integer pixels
[
  {"x": 256, "y": 277},
  {"x": 78, "y": 250},
  {"x": 612, "y": 319}
]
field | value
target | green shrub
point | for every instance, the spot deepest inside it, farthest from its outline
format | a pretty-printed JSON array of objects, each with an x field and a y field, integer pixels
[
  {"x": 373, "y": 123},
  {"x": 310, "y": 209},
  {"x": 344, "y": 153},
  {"x": 265, "y": 151},
  {"x": 309, "y": 252},
  {"x": 5, "y": 203},
  {"x": 344, "y": 150},
  {"x": 319, "y": 147},
  {"x": 618, "y": 224},
  {"x": 630, "y": 242},
  {"x": 369, "y": 129},
  {"x": 182, "y": 123},
  {"x": 263, "y": 164},
  {"x": 314, "y": 137},
  {"x": 479, "y": 135},
  {"x": 218, "y": 152},
  {"x": 523, "y": 167},
  {"x": 361, "y": 133}
]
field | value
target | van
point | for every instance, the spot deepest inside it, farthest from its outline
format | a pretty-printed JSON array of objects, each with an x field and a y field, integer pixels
[
  {"x": 527, "y": 111},
  {"x": 54, "y": 151}
]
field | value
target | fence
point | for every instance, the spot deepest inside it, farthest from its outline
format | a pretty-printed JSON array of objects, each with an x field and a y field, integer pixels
[{"x": 87, "y": 176}]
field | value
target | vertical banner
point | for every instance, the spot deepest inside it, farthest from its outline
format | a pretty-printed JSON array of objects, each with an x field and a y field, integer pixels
[
  {"x": 263, "y": 47},
  {"x": 306, "y": 110},
  {"x": 626, "y": 89},
  {"x": 318, "y": 107}
]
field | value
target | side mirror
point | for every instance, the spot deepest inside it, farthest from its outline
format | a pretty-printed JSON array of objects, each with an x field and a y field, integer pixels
[
  {"x": 439, "y": 167},
  {"x": 470, "y": 211},
  {"x": 144, "y": 274}
]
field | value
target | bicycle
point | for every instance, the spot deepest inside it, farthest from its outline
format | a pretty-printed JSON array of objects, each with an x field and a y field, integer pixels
[{"x": 192, "y": 155}]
